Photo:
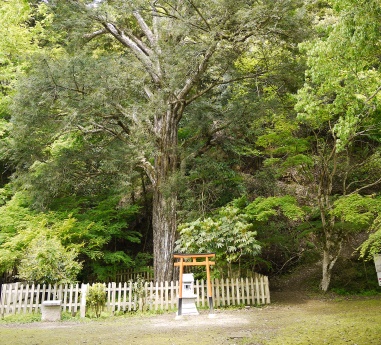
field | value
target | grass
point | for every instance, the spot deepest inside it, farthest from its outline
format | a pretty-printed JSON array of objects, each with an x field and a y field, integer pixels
[
  {"x": 21, "y": 318},
  {"x": 339, "y": 322}
]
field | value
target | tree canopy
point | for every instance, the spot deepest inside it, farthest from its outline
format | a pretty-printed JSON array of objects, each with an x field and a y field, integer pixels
[{"x": 123, "y": 121}]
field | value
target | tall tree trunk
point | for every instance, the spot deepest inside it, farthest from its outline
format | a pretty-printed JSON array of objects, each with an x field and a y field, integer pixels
[
  {"x": 164, "y": 229},
  {"x": 165, "y": 197}
]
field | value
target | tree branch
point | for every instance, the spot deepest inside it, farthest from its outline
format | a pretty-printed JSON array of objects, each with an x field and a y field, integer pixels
[
  {"x": 209, "y": 142},
  {"x": 200, "y": 14},
  {"x": 218, "y": 83},
  {"x": 374, "y": 94},
  {"x": 367, "y": 186},
  {"x": 147, "y": 31},
  {"x": 149, "y": 170},
  {"x": 200, "y": 70},
  {"x": 142, "y": 54},
  {"x": 133, "y": 118},
  {"x": 94, "y": 34}
]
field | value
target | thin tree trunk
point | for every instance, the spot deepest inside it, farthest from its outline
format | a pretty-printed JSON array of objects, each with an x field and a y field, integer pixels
[
  {"x": 331, "y": 253},
  {"x": 327, "y": 271}
]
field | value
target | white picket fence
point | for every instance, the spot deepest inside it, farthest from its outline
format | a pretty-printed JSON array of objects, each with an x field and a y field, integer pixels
[{"x": 24, "y": 298}]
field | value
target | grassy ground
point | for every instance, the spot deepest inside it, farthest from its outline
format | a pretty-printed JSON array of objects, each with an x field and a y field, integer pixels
[
  {"x": 327, "y": 322},
  {"x": 300, "y": 321}
]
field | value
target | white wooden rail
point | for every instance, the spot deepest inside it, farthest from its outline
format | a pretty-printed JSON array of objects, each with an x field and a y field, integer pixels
[{"x": 24, "y": 298}]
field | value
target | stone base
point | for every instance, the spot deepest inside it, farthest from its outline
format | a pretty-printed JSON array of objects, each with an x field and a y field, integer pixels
[
  {"x": 189, "y": 306},
  {"x": 51, "y": 311}
]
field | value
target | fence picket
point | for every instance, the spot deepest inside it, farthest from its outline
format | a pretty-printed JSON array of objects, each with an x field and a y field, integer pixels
[
  {"x": 257, "y": 294},
  {"x": 247, "y": 291},
  {"x": 130, "y": 296},
  {"x": 26, "y": 293},
  {"x": 161, "y": 296},
  {"x": 172, "y": 294},
  {"x": 2, "y": 297},
  {"x": 237, "y": 291},
  {"x": 222, "y": 292},
  {"x": 252, "y": 293},
  {"x": 217, "y": 292},
  {"x": 231, "y": 288},
  {"x": 19, "y": 304},
  {"x": 16, "y": 287},
  {"x": 37, "y": 298},
  {"x": 10, "y": 300},
  {"x": 124, "y": 289},
  {"x": 262, "y": 290},
  {"x": 6, "y": 300},
  {"x": 267, "y": 290},
  {"x": 202, "y": 294},
  {"x": 241, "y": 290},
  {"x": 227, "y": 291},
  {"x": 118, "y": 296},
  {"x": 166, "y": 295}
]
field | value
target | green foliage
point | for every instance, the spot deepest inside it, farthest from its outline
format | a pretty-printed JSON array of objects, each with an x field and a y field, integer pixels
[
  {"x": 261, "y": 209},
  {"x": 357, "y": 209},
  {"x": 343, "y": 77},
  {"x": 88, "y": 229},
  {"x": 46, "y": 261},
  {"x": 355, "y": 277},
  {"x": 82, "y": 123},
  {"x": 209, "y": 183},
  {"x": 21, "y": 228},
  {"x": 22, "y": 29},
  {"x": 14, "y": 46},
  {"x": 330, "y": 148},
  {"x": 20, "y": 318},
  {"x": 372, "y": 245},
  {"x": 232, "y": 233},
  {"x": 229, "y": 234},
  {"x": 96, "y": 298},
  {"x": 139, "y": 293}
]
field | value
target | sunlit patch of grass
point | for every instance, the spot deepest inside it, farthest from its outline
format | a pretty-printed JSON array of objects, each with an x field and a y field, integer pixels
[
  {"x": 347, "y": 322},
  {"x": 21, "y": 318}
]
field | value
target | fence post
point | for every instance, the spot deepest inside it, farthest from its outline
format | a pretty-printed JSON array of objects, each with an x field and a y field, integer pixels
[
  {"x": 2, "y": 307},
  {"x": 83, "y": 300}
]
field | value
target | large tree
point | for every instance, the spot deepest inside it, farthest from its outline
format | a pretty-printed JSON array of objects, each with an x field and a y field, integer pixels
[
  {"x": 330, "y": 151},
  {"x": 139, "y": 67},
  {"x": 340, "y": 105},
  {"x": 19, "y": 40}
]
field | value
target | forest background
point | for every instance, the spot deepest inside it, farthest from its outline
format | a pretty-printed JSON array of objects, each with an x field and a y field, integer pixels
[{"x": 130, "y": 130}]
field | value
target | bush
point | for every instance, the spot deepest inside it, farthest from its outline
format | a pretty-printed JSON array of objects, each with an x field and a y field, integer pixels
[
  {"x": 96, "y": 298},
  {"x": 47, "y": 261}
]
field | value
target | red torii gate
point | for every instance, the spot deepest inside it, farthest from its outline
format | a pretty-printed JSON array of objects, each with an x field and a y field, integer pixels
[{"x": 194, "y": 262}]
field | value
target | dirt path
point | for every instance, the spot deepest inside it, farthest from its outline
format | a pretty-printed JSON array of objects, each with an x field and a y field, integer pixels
[{"x": 255, "y": 326}]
